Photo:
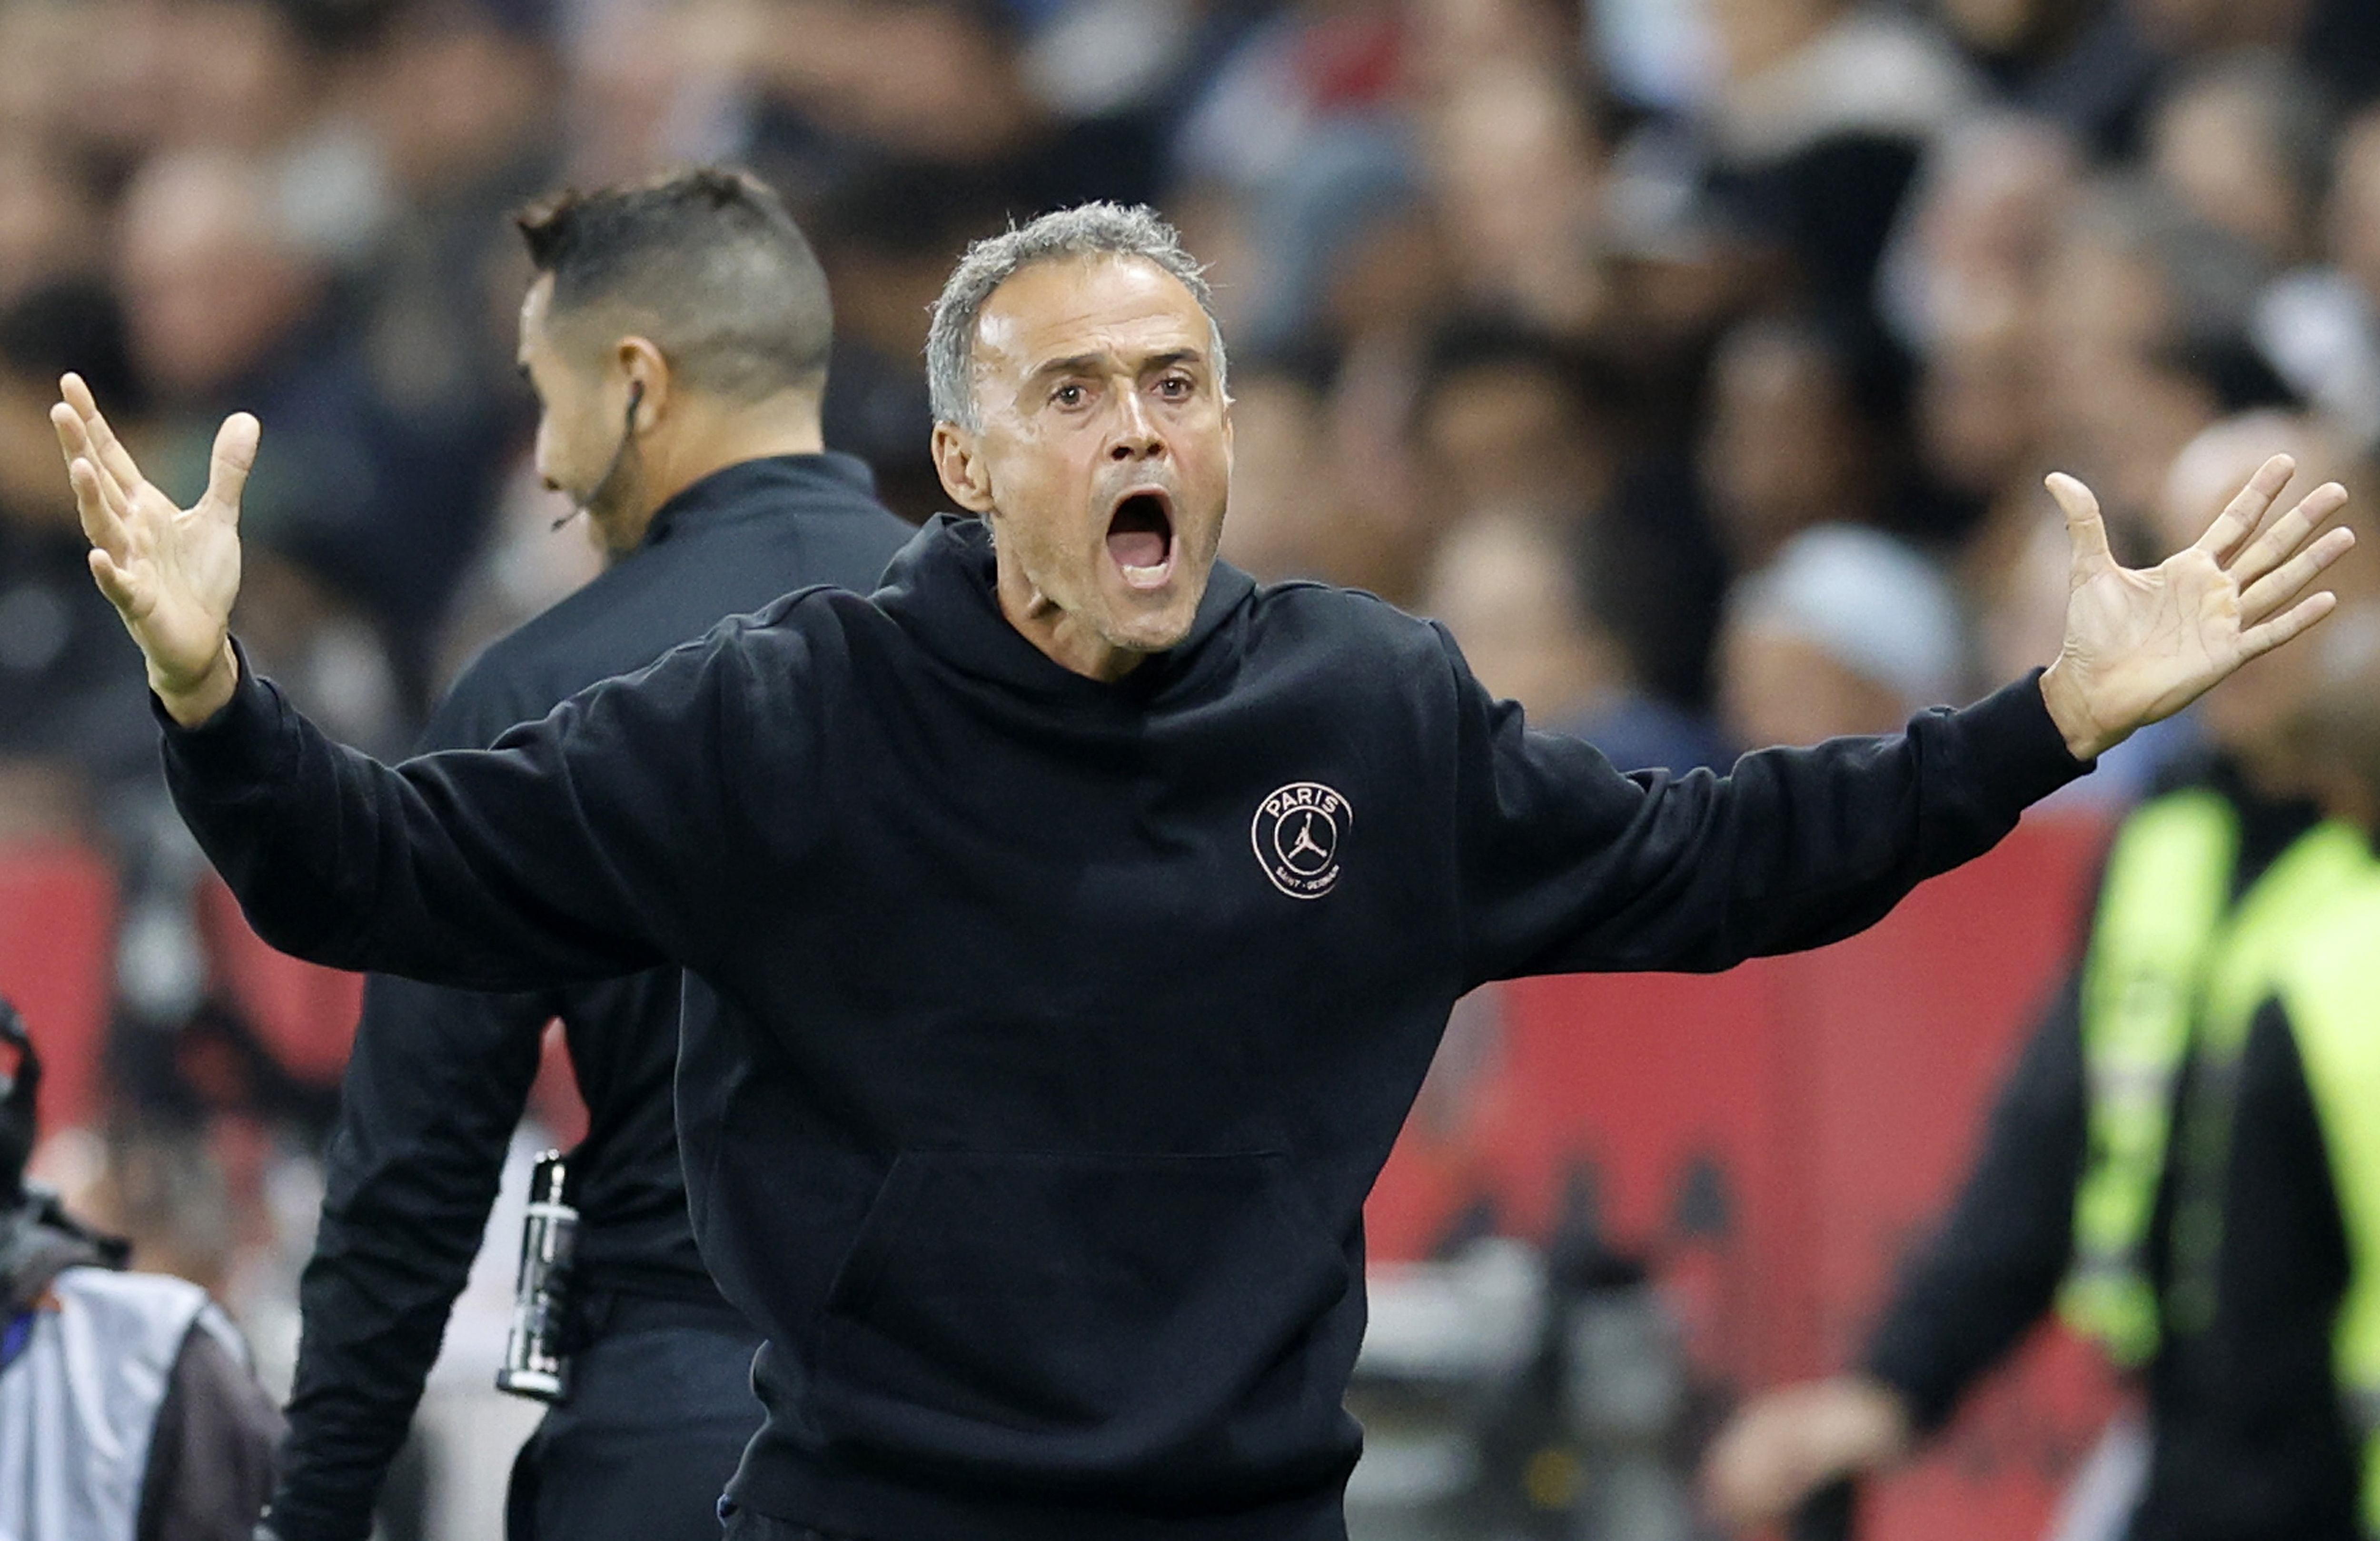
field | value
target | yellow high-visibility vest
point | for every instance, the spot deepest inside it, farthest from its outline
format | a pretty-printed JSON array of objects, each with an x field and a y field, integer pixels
[
  {"x": 2174, "y": 968},
  {"x": 2329, "y": 984}
]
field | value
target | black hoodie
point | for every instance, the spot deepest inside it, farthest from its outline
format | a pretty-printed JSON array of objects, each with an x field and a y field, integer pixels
[{"x": 1044, "y": 1036}]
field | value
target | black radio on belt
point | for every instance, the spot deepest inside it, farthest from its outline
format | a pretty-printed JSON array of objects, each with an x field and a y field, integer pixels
[{"x": 537, "y": 1364}]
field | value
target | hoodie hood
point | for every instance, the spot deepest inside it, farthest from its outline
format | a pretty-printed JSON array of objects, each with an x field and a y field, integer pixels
[{"x": 943, "y": 591}]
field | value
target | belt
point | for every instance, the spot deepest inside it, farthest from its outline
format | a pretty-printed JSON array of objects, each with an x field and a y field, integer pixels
[{"x": 599, "y": 1313}]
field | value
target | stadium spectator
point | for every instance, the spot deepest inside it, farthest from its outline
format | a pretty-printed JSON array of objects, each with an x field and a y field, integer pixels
[
  {"x": 1794, "y": 438},
  {"x": 2321, "y": 324},
  {"x": 1847, "y": 631},
  {"x": 61, "y": 755},
  {"x": 126, "y": 1404},
  {"x": 1523, "y": 596},
  {"x": 2102, "y": 1189},
  {"x": 2242, "y": 141}
]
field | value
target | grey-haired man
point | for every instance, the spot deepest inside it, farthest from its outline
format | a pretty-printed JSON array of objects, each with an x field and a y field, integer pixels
[{"x": 1068, "y": 925}]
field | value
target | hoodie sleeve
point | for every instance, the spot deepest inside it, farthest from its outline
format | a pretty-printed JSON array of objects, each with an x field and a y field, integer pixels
[
  {"x": 600, "y": 841},
  {"x": 1567, "y": 866}
]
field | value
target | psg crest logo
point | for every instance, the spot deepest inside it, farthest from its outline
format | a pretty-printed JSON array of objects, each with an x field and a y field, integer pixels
[{"x": 1296, "y": 836}]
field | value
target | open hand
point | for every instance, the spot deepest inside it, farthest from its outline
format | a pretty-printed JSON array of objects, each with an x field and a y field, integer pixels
[
  {"x": 1784, "y": 1445},
  {"x": 2141, "y": 645},
  {"x": 171, "y": 573}
]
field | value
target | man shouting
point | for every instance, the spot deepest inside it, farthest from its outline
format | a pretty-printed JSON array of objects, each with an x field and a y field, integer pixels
[{"x": 1069, "y": 924}]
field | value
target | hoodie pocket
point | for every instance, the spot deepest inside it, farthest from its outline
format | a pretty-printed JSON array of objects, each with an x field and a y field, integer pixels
[{"x": 1089, "y": 1321}]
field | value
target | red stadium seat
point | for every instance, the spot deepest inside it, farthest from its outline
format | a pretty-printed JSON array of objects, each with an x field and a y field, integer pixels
[
  {"x": 57, "y": 926},
  {"x": 304, "y": 1014}
]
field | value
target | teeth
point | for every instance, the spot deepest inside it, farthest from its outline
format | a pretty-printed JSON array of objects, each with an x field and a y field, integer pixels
[{"x": 1143, "y": 572}]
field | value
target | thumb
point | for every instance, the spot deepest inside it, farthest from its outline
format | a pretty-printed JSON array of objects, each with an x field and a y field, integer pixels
[
  {"x": 2087, "y": 532},
  {"x": 235, "y": 456}
]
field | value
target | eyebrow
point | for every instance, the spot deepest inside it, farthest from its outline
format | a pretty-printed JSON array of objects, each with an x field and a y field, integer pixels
[{"x": 1085, "y": 363}]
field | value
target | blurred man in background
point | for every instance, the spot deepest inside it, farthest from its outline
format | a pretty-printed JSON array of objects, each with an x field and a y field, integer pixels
[
  {"x": 61, "y": 749},
  {"x": 2307, "y": 1083},
  {"x": 127, "y": 1407},
  {"x": 676, "y": 336},
  {"x": 1847, "y": 630},
  {"x": 2111, "y": 1185}
]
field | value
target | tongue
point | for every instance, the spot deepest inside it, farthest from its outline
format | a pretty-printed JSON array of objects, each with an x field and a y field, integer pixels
[{"x": 1136, "y": 547}]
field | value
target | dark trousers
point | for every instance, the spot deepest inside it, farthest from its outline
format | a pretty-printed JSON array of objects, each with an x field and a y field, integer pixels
[{"x": 661, "y": 1408}]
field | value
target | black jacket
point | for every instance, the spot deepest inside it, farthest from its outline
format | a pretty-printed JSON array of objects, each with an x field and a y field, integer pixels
[
  {"x": 438, "y": 1077},
  {"x": 2249, "y": 1439},
  {"x": 1043, "y": 1037}
]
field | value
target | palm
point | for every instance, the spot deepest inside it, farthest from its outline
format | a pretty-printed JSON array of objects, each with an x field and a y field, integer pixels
[
  {"x": 2142, "y": 643},
  {"x": 171, "y": 573},
  {"x": 181, "y": 572}
]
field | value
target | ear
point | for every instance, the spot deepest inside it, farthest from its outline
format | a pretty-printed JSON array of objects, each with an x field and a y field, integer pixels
[
  {"x": 647, "y": 380},
  {"x": 958, "y": 459}
]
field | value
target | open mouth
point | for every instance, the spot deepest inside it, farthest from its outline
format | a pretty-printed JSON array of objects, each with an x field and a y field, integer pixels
[{"x": 1140, "y": 539}]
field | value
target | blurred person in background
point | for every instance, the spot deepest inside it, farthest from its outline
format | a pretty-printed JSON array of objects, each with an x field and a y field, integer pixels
[
  {"x": 62, "y": 753},
  {"x": 454, "y": 122},
  {"x": 1047, "y": 102},
  {"x": 2081, "y": 64},
  {"x": 1799, "y": 435},
  {"x": 48, "y": 216},
  {"x": 2104, "y": 1187},
  {"x": 2242, "y": 141},
  {"x": 1510, "y": 138},
  {"x": 2141, "y": 335},
  {"x": 1970, "y": 253},
  {"x": 2307, "y": 1079},
  {"x": 127, "y": 1406},
  {"x": 1847, "y": 631},
  {"x": 226, "y": 306},
  {"x": 1825, "y": 111},
  {"x": 1514, "y": 421},
  {"x": 1510, "y": 417},
  {"x": 2192, "y": 28},
  {"x": 886, "y": 236},
  {"x": 1282, "y": 518},
  {"x": 1980, "y": 426},
  {"x": 2321, "y": 324},
  {"x": 1526, "y": 601},
  {"x": 939, "y": 79},
  {"x": 676, "y": 336}
]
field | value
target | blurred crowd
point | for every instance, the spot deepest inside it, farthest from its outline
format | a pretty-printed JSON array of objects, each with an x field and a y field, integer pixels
[{"x": 1697, "y": 361}]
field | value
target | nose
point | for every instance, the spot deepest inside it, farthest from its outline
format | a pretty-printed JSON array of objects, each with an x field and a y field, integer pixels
[{"x": 1137, "y": 437}]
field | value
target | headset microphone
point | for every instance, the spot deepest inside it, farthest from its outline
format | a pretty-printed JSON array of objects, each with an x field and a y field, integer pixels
[{"x": 619, "y": 451}]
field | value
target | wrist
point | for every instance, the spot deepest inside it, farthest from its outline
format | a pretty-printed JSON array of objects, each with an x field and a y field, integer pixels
[
  {"x": 1873, "y": 1422},
  {"x": 190, "y": 702},
  {"x": 2069, "y": 710}
]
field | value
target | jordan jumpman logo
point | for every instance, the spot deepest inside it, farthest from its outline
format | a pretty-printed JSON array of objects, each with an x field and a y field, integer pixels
[{"x": 1305, "y": 841}]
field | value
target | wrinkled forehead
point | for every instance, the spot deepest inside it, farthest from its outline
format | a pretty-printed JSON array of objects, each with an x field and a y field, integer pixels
[{"x": 1106, "y": 305}]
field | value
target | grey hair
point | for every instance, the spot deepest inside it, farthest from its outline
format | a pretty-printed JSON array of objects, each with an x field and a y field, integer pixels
[{"x": 1084, "y": 230}]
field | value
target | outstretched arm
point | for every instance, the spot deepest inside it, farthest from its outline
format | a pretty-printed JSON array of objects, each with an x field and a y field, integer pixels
[
  {"x": 1570, "y": 867},
  {"x": 588, "y": 846},
  {"x": 2141, "y": 645}
]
